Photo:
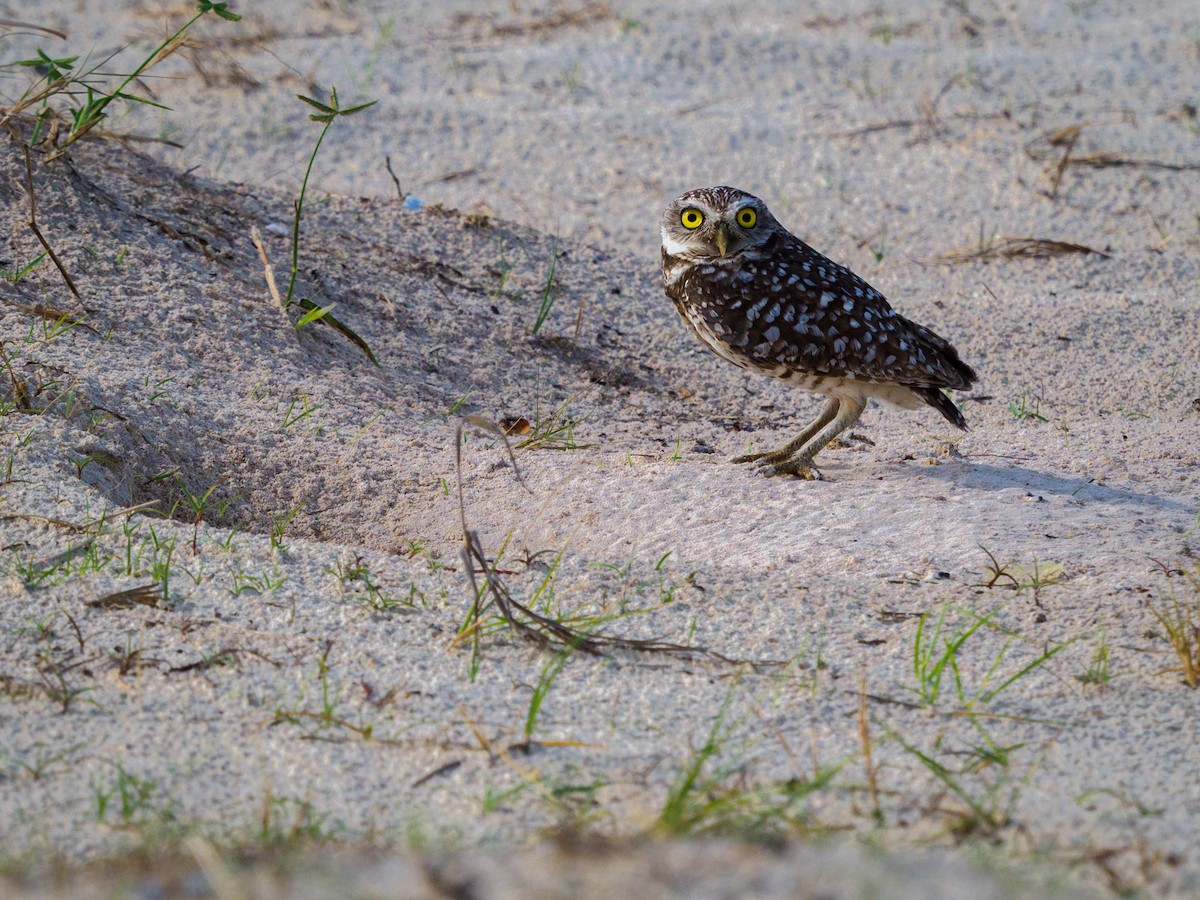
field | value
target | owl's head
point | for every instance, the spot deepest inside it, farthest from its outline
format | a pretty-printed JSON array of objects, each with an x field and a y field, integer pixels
[{"x": 716, "y": 224}]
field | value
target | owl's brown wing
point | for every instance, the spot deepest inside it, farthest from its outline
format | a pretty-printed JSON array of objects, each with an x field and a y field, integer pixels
[{"x": 790, "y": 309}]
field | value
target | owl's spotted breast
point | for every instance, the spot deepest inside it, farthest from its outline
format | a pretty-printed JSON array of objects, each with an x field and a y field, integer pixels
[
  {"x": 790, "y": 310},
  {"x": 764, "y": 300}
]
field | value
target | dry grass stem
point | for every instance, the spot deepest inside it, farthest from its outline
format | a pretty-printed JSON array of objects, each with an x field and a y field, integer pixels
[
  {"x": 268, "y": 270},
  {"x": 21, "y": 397},
  {"x": 1069, "y": 145},
  {"x": 10, "y": 23},
  {"x": 92, "y": 525},
  {"x": 864, "y": 737},
  {"x": 51, "y": 314},
  {"x": 1181, "y": 621},
  {"x": 29, "y": 100},
  {"x": 1101, "y": 159},
  {"x": 1068, "y": 136},
  {"x": 486, "y": 26},
  {"x": 142, "y": 595},
  {"x": 33, "y": 226},
  {"x": 928, "y": 120},
  {"x": 530, "y": 625},
  {"x": 387, "y": 162},
  {"x": 1016, "y": 248}
]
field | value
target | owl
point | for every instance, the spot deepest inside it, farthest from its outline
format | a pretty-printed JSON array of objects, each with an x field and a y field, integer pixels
[{"x": 764, "y": 300}]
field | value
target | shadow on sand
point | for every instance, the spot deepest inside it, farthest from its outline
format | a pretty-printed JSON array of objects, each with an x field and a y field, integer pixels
[{"x": 987, "y": 477}]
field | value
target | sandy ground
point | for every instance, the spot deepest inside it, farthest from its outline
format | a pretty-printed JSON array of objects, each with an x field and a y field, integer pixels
[{"x": 310, "y": 686}]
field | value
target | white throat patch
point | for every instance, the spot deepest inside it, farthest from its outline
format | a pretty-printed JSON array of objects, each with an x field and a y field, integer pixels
[{"x": 672, "y": 246}]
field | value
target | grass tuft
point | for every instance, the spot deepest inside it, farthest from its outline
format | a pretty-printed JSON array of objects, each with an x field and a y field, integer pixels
[
  {"x": 1181, "y": 620},
  {"x": 88, "y": 90},
  {"x": 1097, "y": 672},
  {"x": 555, "y": 431},
  {"x": 549, "y": 289},
  {"x": 937, "y": 648},
  {"x": 712, "y": 794}
]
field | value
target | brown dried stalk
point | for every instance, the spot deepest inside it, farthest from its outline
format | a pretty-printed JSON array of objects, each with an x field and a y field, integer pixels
[{"x": 33, "y": 225}]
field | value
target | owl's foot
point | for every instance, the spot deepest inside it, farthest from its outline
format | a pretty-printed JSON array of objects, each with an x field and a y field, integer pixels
[
  {"x": 797, "y": 466},
  {"x": 783, "y": 462}
]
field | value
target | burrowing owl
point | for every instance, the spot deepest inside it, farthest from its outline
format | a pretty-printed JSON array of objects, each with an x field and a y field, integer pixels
[{"x": 761, "y": 298}]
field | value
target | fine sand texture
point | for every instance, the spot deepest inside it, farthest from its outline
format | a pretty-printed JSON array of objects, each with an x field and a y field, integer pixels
[{"x": 242, "y": 648}]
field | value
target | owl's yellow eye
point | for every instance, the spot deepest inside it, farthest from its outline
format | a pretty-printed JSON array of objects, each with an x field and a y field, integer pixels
[
  {"x": 747, "y": 217},
  {"x": 691, "y": 218}
]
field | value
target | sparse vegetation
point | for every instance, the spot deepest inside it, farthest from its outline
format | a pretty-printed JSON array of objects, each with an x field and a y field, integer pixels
[
  {"x": 1020, "y": 577},
  {"x": 552, "y": 431},
  {"x": 132, "y": 801},
  {"x": 42, "y": 762},
  {"x": 326, "y": 115},
  {"x": 1097, "y": 672},
  {"x": 713, "y": 794},
  {"x": 18, "y": 274},
  {"x": 1180, "y": 618},
  {"x": 279, "y": 524},
  {"x": 201, "y": 504},
  {"x": 88, "y": 90},
  {"x": 938, "y": 663},
  {"x": 549, "y": 289},
  {"x": 987, "y": 801},
  {"x": 264, "y": 582},
  {"x": 360, "y": 585},
  {"x": 545, "y": 681},
  {"x": 1022, "y": 408},
  {"x": 325, "y": 721},
  {"x": 876, "y": 244}
]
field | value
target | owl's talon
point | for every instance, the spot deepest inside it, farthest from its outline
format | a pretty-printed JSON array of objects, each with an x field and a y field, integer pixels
[
  {"x": 799, "y": 469},
  {"x": 769, "y": 469}
]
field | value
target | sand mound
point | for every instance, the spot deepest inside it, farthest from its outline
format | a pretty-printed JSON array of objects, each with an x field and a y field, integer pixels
[{"x": 268, "y": 652}]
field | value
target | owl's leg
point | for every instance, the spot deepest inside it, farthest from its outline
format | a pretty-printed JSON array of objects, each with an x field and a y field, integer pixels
[
  {"x": 849, "y": 409},
  {"x": 828, "y": 414}
]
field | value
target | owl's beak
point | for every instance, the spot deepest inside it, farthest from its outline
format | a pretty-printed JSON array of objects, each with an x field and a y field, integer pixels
[{"x": 721, "y": 238}]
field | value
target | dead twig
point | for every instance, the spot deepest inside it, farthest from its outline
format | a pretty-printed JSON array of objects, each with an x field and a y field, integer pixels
[
  {"x": 10, "y": 23},
  {"x": 484, "y": 26},
  {"x": 532, "y": 626},
  {"x": 58, "y": 316},
  {"x": 444, "y": 769},
  {"x": 1043, "y": 148},
  {"x": 75, "y": 627},
  {"x": 142, "y": 595},
  {"x": 1101, "y": 159},
  {"x": 923, "y": 122},
  {"x": 268, "y": 270},
  {"x": 85, "y": 527},
  {"x": 387, "y": 161},
  {"x": 33, "y": 225},
  {"x": 1069, "y": 145},
  {"x": 129, "y": 137},
  {"x": 1015, "y": 248}
]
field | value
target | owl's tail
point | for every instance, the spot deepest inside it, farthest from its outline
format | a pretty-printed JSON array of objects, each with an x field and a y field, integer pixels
[{"x": 943, "y": 404}]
